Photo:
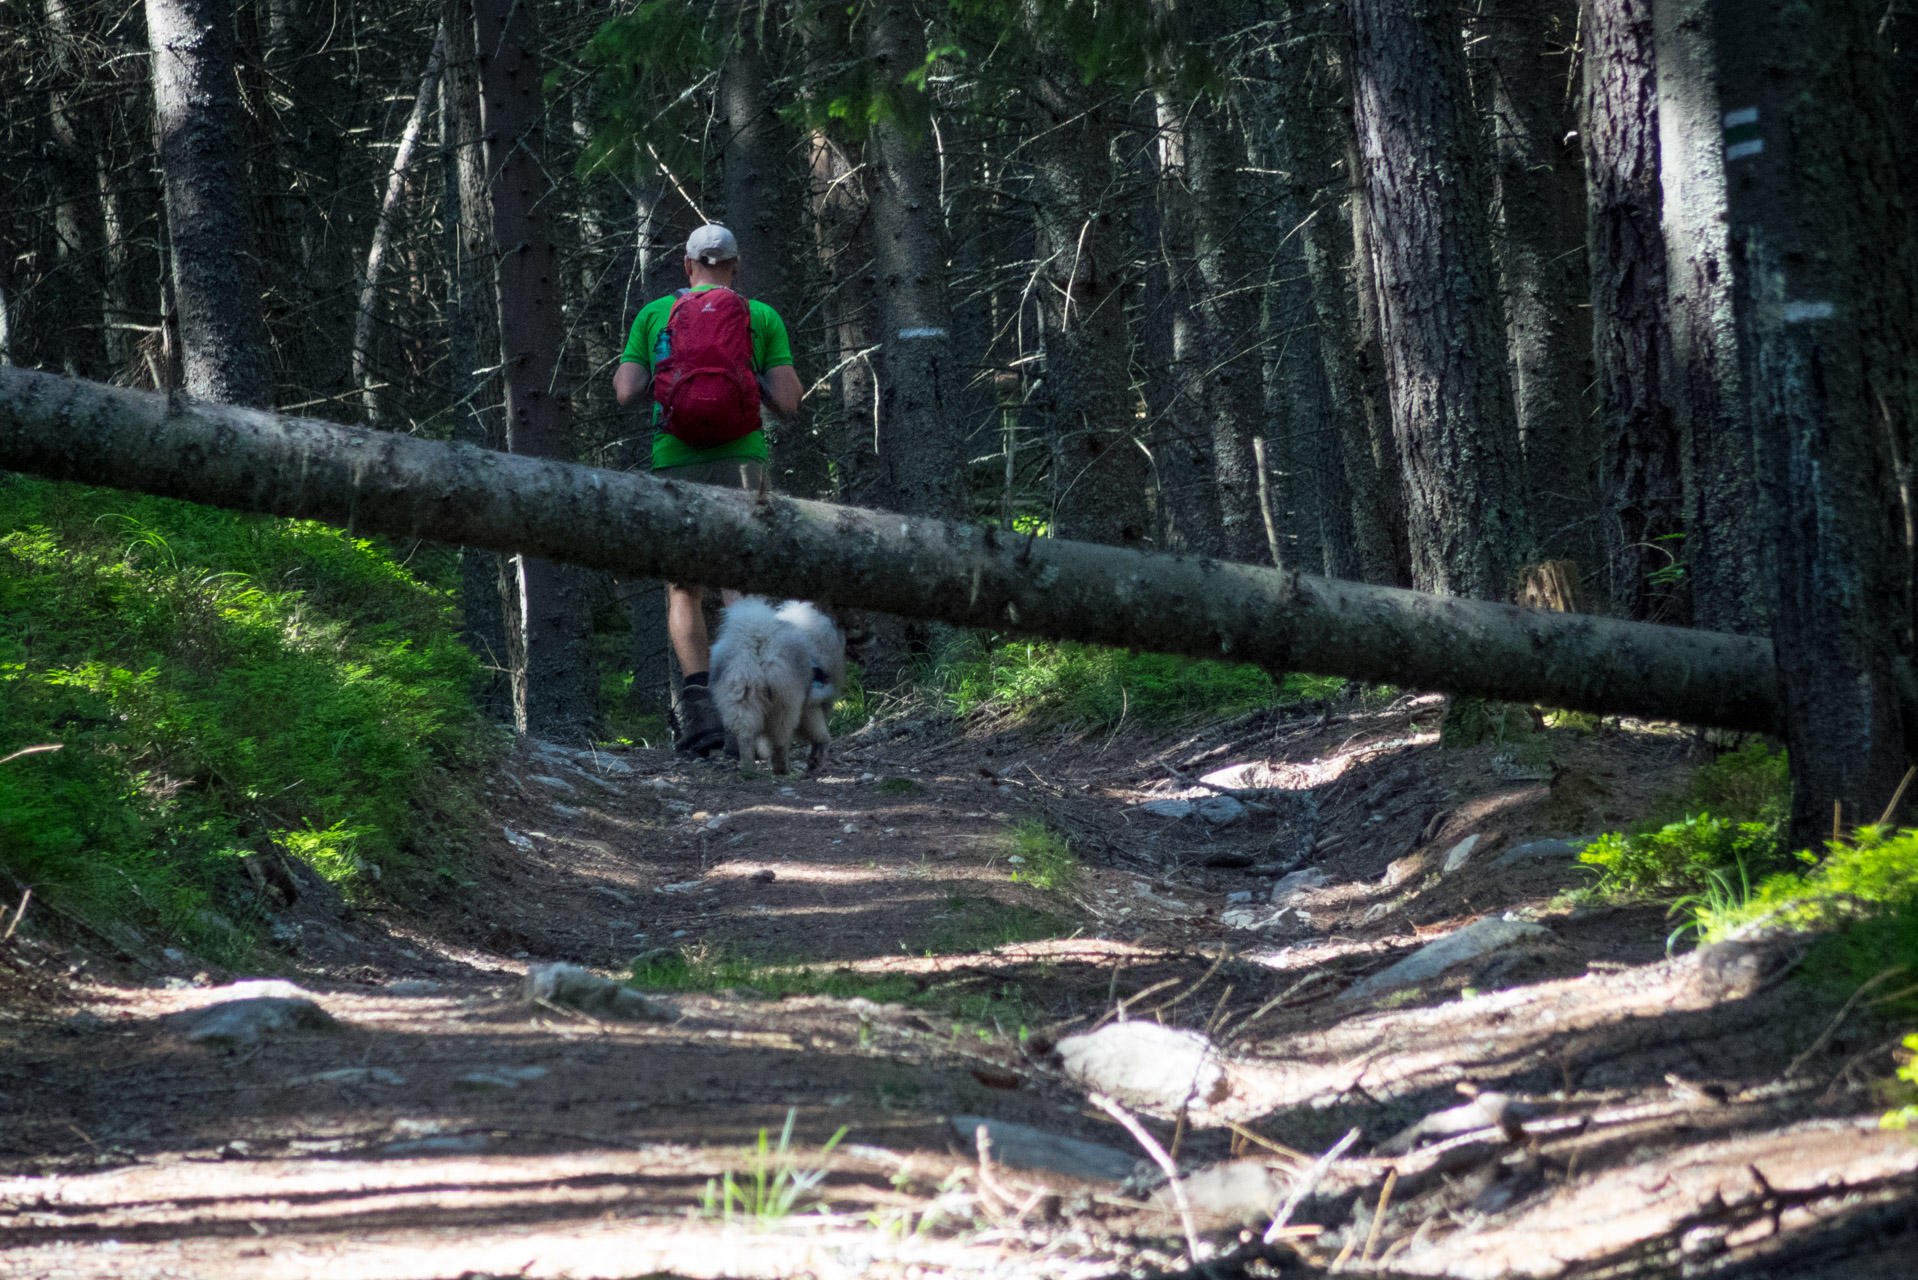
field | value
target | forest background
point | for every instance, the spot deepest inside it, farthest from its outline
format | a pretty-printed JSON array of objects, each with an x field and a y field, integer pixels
[{"x": 1491, "y": 300}]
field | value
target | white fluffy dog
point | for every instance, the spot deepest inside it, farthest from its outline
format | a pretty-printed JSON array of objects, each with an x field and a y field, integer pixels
[{"x": 775, "y": 673}]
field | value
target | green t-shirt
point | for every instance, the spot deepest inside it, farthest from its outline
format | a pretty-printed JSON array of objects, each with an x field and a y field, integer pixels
[{"x": 770, "y": 350}]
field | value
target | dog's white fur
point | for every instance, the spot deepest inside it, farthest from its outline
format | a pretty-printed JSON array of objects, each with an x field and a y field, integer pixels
[{"x": 762, "y": 678}]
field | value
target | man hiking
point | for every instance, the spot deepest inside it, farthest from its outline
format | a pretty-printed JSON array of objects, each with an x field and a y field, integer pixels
[{"x": 709, "y": 359}]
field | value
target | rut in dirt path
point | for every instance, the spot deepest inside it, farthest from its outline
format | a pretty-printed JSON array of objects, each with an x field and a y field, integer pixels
[{"x": 450, "y": 1127}]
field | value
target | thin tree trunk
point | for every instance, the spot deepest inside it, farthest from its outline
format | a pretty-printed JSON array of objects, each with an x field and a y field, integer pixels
[
  {"x": 917, "y": 444},
  {"x": 764, "y": 179},
  {"x": 1643, "y": 487},
  {"x": 1524, "y": 62},
  {"x": 1730, "y": 588},
  {"x": 555, "y": 692},
  {"x": 1084, "y": 400},
  {"x": 1362, "y": 534},
  {"x": 216, "y": 266},
  {"x": 474, "y": 331},
  {"x": 1427, "y": 196},
  {"x": 404, "y": 486},
  {"x": 78, "y": 234},
  {"x": 363, "y": 375},
  {"x": 1181, "y": 440},
  {"x": 1819, "y": 241}
]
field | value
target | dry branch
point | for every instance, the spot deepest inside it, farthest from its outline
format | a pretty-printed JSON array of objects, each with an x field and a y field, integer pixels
[{"x": 379, "y": 482}]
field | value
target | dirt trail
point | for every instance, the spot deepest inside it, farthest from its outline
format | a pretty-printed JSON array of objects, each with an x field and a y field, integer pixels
[{"x": 1658, "y": 1113}]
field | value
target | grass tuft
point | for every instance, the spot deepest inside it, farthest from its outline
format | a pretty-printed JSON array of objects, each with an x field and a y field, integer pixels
[
  {"x": 773, "y": 1186},
  {"x": 1045, "y": 858}
]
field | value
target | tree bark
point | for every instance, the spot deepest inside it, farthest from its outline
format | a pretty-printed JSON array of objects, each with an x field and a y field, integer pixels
[
  {"x": 764, "y": 177},
  {"x": 375, "y": 481},
  {"x": 1730, "y": 590},
  {"x": 1639, "y": 445},
  {"x": 548, "y": 604},
  {"x": 1427, "y": 200},
  {"x": 1084, "y": 401},
  {"x": 917, "y": 444},
  {"x": 209, "y": 207},
  {"x": 1523, "y": 64},
  {"x": 1826, "y": 327}
]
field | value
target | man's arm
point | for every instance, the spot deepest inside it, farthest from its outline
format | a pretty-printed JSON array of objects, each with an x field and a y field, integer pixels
[
  {"x": 779, "y": 388},
  {"x": 632, "y": 379}
]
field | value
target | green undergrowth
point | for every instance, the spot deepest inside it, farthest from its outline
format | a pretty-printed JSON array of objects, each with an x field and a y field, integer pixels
[
  {"x": 1090, "y": 686},
  {"x": 1709, "y": 841},
  {"x": 1044, "y": 858},
  {"x": 1862, "y": 892},
  {"x": 219, "y": 684}
]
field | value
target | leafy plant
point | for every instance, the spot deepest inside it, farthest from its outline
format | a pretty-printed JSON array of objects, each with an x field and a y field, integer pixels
[
  {"x": 773, "y": 1186},
  {"x": 1906, "y": 1116},
  {"x": 1705, "y": 842}
]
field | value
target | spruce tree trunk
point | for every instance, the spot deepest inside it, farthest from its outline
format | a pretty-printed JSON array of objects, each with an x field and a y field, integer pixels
[
  {"x": 1730, "y": 588},
  {"x": 404, "y": 486},
  {"x": 1523, "y": 66},
  {"x": 1639, "y": 444},
  {"x": 1819, "y": 243},
  {"x": 1361, "y": 534},
  {"x": 548, "y": 604},
  {"x": 78, "y": 232},
  {"x": 1188, "y": 500},
  {"x": 201, "y": 132},
  {"x": 474, "y": 317},
  {"x": 918, "y": 447},
  {"x": 1427, "y": 200},
  {"x": 1084, "y": 401},
  {"x": 763, "y": 175},
  {"x": 1225, "y": 321}
]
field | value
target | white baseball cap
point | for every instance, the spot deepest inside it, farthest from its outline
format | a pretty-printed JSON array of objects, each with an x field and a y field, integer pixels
[{"x": 712, "y": 244}]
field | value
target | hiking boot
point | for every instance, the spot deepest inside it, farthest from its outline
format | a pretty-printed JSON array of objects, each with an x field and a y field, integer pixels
[{"x": 699, "y": 729}]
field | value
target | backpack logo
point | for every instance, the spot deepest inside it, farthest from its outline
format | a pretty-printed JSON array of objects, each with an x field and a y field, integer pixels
[{"x": 704, "y": 384}]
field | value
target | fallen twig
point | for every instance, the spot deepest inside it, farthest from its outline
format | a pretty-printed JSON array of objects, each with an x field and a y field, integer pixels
[
  {"x": 1824, "y": 1037},
  {"x": 1378, "y": 1214},
  {"x": 26, "y": 896},
  {"x": 32, "y": 751},
  {"x": 1164, "y": 1161},
  {"x": 1303, "y": 1187}
]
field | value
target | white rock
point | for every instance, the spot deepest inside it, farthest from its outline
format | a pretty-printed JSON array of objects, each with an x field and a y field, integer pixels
[
  {"x": 558, "y": 784},
  {"x": 502, "y": 1077},
  {"x": 1156, "y": 1068},
  {"x": 1289, "y": 889},
  {"x": 684, "y": 886},
  {"x": 1457, "y": 855},
  {"x": 517, "y": 840},
  {"x": 1475, "y": 940},
  {"x": 1243, "y": 895}
]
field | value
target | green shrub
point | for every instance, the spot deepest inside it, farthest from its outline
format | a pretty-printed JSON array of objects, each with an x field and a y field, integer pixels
[
  {"x": 1096, "y": 687},
  {"x": 1906, "y": 1116},
  {"x": 218, "y": 683},
  {"x": 1863, "y": 891},
  {"x": 1711, "y": 839}
]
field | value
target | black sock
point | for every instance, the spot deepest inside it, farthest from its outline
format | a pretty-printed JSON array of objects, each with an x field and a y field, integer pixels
[{"x": 697, "y": 680}]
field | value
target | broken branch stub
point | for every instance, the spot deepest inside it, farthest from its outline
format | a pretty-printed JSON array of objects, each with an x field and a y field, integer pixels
[{"x": 380, "y": 482}]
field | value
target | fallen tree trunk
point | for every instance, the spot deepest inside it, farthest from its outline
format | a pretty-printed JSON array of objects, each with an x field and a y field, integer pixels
[{"x": 381, "y": 482}]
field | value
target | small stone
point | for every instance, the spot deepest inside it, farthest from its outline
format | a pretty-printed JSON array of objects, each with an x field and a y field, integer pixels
[
  {"x": 502, "y": 1077},
  {"x": 517, "y": 840},
  {"x": 1242, "y": 895},
  {"x": 1221, "y": 811},
  {"x": 1457, "y": 855},
  {"x": 572, "y": 987},
  {"x": 1290, "y": 889},
  {"x": 560, "y": 785},
  {"x": 1546, "y": 850},
  {"x": 1020, "y": 1146},
  {"x": 1239, "y": 1192},
  {"x": 233, "y": 1025},
  {"x": 1157, "y": 1068},
  {"x": 683, "y": 886},
  {"x": 765, "y": 876},
  {"x": 608, "y": 892},
  {"x": 1476, "y": 940},
  {"x": 1168, "y": 808}
]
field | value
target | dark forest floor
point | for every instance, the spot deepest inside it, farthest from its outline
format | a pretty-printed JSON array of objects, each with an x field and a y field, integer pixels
[{"x": 1673, "y": 1120}]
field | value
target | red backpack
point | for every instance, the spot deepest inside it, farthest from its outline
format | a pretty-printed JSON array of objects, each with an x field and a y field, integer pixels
[{"x": 704, "y": 383}]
